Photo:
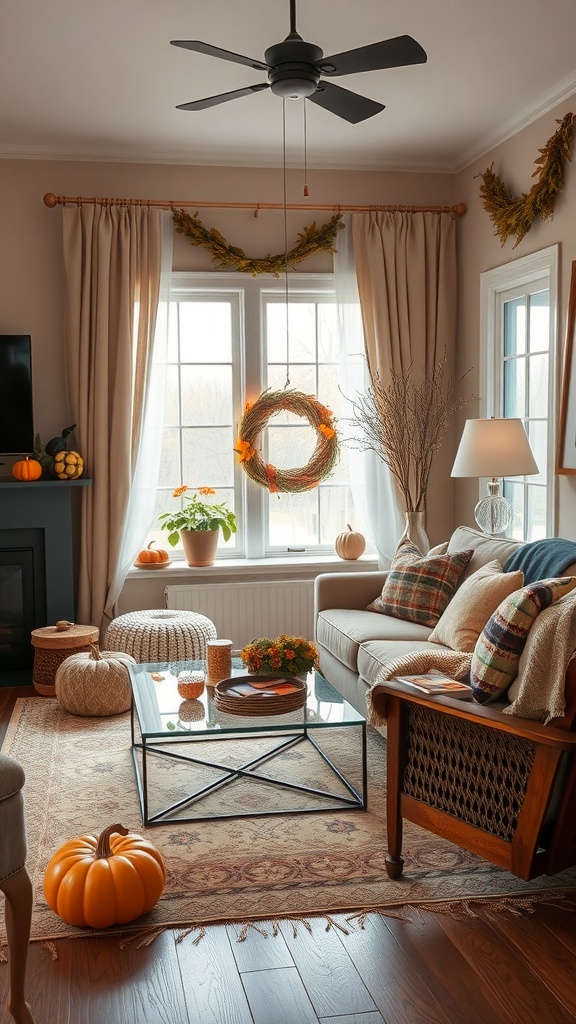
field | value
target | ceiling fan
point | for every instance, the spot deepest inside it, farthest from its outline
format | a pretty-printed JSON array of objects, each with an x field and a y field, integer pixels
[{"x": 298, "y": 69}]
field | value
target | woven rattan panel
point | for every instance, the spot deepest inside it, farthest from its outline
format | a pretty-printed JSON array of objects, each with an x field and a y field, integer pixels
[{"x": 475, "y": 773}]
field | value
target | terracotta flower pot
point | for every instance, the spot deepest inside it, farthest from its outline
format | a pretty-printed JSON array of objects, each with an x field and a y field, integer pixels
[{"x": 200, "y": 546}]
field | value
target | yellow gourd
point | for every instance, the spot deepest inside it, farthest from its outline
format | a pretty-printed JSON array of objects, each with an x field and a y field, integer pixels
[
  {"x": 68, "y": 465},
  {"x": 350, "y": 545}
]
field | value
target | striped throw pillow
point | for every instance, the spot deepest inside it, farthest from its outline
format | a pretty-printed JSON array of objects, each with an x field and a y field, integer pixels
[
  {"x": 418, "y": 587},
  {"x": 501, "y": 642}
]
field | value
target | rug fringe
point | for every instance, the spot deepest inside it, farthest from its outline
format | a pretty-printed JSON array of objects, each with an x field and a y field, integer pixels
[{"x": 141, "y": 939}]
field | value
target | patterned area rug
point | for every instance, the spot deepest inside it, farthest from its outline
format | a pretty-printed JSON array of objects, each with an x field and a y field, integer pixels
[{"x": 80, "y": 778}]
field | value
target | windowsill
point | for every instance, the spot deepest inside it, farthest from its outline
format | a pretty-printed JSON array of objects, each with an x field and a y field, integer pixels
[{"x": 228, "y": 569}]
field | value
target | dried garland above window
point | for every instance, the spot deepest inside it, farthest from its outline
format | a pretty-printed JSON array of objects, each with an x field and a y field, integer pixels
[
  {"x": 515, "y": 215},
  {"x": 311, "y": 240},
  {"x": 255, "y": 418}
]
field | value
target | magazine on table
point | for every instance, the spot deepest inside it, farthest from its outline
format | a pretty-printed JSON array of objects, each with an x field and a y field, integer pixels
[{"x": 436, "y": 682}]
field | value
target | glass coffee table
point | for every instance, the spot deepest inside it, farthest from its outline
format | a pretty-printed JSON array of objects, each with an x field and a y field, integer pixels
[{"x": 187, "y": 753}]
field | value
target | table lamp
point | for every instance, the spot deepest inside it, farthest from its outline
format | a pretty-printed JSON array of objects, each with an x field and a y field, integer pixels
[{"x": 493, "y": 448}]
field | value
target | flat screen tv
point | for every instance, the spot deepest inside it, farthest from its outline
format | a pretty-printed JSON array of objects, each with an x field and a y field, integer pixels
[{"x": 16, "y": 413}]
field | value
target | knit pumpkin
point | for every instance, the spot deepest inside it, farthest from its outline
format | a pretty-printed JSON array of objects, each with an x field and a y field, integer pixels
[
  {"x": 97, "y": 883},
  {"x": 94, "y": 683}
]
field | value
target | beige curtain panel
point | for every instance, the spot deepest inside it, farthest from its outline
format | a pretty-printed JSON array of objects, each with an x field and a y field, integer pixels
[{"x": 112, "y": 258}]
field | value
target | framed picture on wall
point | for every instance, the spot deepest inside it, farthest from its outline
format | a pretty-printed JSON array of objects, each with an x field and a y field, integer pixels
[{"x": 566, "y": 445}]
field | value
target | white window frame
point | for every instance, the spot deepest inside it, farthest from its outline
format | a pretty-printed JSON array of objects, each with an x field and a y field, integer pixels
[{"x": 540, "y": 269}]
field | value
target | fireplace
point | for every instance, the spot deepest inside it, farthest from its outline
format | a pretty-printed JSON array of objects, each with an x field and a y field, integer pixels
[{"x": 36, "y": 567}]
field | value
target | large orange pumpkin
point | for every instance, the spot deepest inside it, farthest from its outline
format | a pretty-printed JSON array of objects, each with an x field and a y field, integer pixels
[
  {"x": 97, "y": 883},
  {"x": 27, "y": 469}
]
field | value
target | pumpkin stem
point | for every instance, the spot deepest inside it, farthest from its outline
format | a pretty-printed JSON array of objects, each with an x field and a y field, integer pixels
[
  {"x": 95, "y": 653},
  {"x": 103, "y": 849},
  {"x": 349, "y": 527}
]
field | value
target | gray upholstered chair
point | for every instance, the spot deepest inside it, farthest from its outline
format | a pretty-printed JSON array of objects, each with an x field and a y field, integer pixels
[{"x": 15, "y": 883}]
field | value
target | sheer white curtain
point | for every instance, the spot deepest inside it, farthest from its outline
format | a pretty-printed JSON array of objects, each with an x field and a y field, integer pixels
[
  {"x": 374, "y": 493},
  {"x": 145, "y": 481}
]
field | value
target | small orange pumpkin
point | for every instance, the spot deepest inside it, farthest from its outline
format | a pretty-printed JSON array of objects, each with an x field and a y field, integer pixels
[
  {"x": 151, "y": 554},
  {"x": 97, "y": 883},
  {"x": 27, "y": 469},
  {"x": 350, "y": 544}
]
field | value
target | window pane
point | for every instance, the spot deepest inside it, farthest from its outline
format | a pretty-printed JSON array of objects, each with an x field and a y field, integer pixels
[
  {"x": 302, "y": 378},
  {"x": 207, "y": 457},
  {"x": 539, "y": 321},
  {"x": 337, "y": 510},
  {"x": 538, "y": 437},
  {"x": 171, "y": 405},
  {"x": 292, "y": 446},
  {"x": 515, "y": 327},
  {"x": 514, "y": 492},
  {"x": 293, "y": 519},
  {"x": 328, "y": 342},
  {"x": 538, "y": 385},
  {"x": 301, "y": 342},
  {"x": 206, "y": 394},
  {"x": 515, "y": 387},
  {"x": 170, "y": 461},
  {"x": 205, "y": 332},
  {"x": 536, "y": 524}
]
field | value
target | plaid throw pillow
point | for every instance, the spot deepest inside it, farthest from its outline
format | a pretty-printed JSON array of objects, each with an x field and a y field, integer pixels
[
  {"x": 417, "y": 587},
  {"x": 501, "y": 642}
]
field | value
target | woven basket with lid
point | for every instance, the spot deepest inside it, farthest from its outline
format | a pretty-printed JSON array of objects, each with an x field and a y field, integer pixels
[{"x": 51, "y": 647}]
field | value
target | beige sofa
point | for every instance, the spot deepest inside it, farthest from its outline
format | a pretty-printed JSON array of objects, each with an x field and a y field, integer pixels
[{"x": 354, "y": 644}]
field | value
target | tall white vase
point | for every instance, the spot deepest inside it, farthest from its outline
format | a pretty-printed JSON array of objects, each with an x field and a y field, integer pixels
[{"x": 415, "y": 532}]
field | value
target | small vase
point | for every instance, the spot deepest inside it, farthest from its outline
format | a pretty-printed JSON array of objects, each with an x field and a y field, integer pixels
[
  {"x": 414, "y": 531},
  {"x": 200, "y": 546}
]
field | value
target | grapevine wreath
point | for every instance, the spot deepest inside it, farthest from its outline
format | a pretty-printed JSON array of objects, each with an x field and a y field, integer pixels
[{"x": 255, "y": 418}]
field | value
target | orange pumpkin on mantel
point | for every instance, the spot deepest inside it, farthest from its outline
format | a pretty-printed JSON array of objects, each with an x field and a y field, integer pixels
[
  {"x": 152, "y": 558},
  {"x": 27, "y": 469},
  {"x": 97, "y": 883}
]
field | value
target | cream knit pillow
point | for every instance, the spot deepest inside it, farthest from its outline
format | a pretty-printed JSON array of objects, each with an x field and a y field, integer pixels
[{"x": 472, "y": 605}]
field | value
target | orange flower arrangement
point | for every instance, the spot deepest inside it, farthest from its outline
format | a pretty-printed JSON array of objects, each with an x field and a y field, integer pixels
[{"x": 290, "y": 654}]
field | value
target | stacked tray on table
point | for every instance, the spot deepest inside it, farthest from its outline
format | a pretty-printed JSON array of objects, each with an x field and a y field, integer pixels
[{"x": 260, "y": 695}]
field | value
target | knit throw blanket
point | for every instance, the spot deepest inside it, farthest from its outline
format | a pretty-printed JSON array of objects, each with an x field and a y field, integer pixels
[
  {"x": 539, "y": 689},
  {"x": 542, "y": 559}
]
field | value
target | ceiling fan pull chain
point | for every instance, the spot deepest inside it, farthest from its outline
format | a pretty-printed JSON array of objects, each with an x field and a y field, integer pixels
[
  {"x": 287, "y": 384},
  {"x": 305, "y": 189}
]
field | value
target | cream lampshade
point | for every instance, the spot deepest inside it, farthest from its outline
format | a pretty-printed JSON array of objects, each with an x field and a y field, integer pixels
[{"x": 493, "y": 448}]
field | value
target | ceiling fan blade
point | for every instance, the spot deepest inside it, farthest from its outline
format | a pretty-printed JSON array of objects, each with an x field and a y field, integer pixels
[
  {"x": 390, "y": 53},
  {"x": 223, "y": 97},
  {"x": 215, "y": 51},
  {"x": 346, "y": 104}
]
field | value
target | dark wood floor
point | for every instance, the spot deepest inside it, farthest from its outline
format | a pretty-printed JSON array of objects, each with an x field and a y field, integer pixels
[{"x": 428, "y": 969}]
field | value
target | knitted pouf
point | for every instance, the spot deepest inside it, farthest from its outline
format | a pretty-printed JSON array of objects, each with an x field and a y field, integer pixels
[{"x": 161, "y": 634}]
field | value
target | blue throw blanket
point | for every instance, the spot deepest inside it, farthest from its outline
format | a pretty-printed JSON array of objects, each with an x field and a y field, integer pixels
[{"x": 542, "y": 559}]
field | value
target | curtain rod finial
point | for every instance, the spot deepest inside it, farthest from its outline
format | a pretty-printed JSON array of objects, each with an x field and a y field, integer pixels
[
  {"x": 50, "y": 200},
  {"x": 460, "y": 209}
]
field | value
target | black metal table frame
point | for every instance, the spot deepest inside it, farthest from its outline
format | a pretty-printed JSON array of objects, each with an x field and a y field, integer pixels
[{"x": 288, "y": 739}]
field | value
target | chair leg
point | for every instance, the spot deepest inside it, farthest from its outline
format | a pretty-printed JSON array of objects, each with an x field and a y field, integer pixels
[{"x": 17, "y": 890}]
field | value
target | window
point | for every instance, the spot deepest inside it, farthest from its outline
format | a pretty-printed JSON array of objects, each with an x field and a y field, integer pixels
[
  {"x": 518, "y": 332},
  {"x": 229, "y": 340}
]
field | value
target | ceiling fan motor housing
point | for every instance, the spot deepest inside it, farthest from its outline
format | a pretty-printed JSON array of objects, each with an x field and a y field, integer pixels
[{"x": 292, "y": 71}]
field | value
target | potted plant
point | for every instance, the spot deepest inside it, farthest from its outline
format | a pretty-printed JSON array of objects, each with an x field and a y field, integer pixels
[{"x": 198, "y": 523}]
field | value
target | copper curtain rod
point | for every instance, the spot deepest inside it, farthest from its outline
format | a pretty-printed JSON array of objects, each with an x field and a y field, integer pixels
[{"x": 52, "y": 200}]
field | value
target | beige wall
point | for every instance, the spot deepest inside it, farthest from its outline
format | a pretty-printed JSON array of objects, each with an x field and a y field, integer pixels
[{"x": 480, "y": 250}]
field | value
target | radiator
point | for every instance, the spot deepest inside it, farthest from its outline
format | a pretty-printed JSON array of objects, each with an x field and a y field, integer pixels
[{"x": 243, "y": 611}]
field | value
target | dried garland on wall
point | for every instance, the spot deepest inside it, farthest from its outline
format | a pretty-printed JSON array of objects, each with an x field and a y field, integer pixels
[
  {"x": 514, "y": 215},
  {"x": 312, "y": 239},
  {"x": 255, "y": 418}
]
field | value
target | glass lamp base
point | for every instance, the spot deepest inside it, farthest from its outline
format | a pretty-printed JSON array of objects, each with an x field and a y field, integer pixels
[{"x": 493, "y": 514}]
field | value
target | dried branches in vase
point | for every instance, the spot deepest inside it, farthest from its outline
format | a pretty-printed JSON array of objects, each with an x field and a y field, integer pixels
[{"x": 405, "y": 424}]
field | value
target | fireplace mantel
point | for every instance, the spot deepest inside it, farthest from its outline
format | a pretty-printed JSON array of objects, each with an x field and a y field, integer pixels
[{"x": 46, "y": 505}]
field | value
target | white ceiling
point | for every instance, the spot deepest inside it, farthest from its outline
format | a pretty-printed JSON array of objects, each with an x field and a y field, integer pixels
[{"x": 99, "y": 81}]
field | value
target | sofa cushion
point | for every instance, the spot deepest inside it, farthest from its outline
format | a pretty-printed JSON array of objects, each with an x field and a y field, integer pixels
[
  {"x": 418, "y": 588},
  {"x": 342, "y": 630},
  {"x": 501, "y": 642},
  {"x": 472, "y": 605},
  {"x": 376, "y": 655},
  {"x": 484, "y": 548}
]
